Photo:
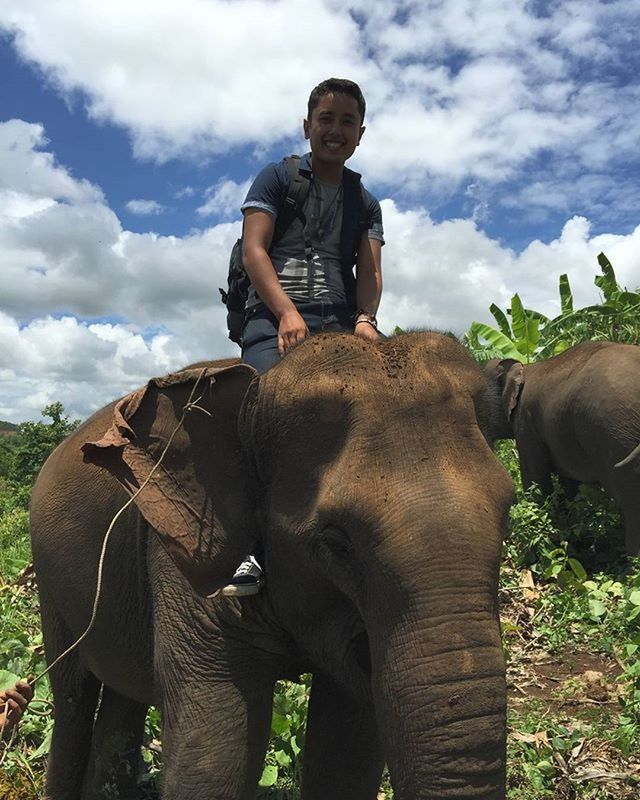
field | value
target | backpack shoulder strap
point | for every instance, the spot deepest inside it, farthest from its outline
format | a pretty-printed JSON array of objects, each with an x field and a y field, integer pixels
[{"x": 297, "y": 193}]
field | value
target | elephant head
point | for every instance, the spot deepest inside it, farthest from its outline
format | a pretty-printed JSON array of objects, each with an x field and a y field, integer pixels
[
  {"x": 374, "y": 486},
  {"x": 505, "y": 382}
]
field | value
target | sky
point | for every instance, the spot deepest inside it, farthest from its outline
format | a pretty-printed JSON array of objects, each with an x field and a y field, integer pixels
[{"x": 502, "y": 141}]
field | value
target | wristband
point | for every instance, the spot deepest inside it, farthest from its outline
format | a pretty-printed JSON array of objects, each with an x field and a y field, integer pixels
[
  {"x": 369, "y": 322},
  {"x": 367, "y": 315}
]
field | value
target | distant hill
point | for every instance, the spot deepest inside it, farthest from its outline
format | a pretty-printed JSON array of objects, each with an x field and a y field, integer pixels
[{"x": 7, "y": 428}]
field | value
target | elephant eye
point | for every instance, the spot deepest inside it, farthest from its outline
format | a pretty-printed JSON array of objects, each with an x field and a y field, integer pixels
[{"x": 332, "y": 543}]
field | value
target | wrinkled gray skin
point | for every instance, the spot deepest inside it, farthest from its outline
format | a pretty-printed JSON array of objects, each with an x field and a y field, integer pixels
[
  {"x": 381, "y": 507},
  {"x": 577, "y": 415}
]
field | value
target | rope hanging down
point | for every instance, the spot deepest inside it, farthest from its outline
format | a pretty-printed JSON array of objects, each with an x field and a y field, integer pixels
[{"x": 190, "y": 405}]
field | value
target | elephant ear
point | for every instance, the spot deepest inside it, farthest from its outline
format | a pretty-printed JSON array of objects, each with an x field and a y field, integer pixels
[
  {"x": 513, "y": 372},
  {"x": 174, "y": 446}
]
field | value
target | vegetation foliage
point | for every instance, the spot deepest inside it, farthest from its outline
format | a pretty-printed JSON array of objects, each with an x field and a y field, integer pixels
[
  {"x": 570, "y": 607},
  {"x": 528, "y": 335}
]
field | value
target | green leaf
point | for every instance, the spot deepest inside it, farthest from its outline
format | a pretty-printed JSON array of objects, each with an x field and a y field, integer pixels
[
  {"x": 7, "y": 679},
  {"x": 283, "y": 758},
  {"x": 518, "y": 317},
  {"x": 597, "y": 608},
  {"x": 44, "y": 748},
  {"x": 546, "y": 768},
  {"x": 279, "y": 724},
  {"x": 498, "y": 340},
  {"x": 501, "y": 319},
  {"x": 566, "y": 296},
  {"x": 630, "y": 299},
  {"x": 531, "y": 338},
  {"x": 607, "y": 281},
  {"x": 269, "y": 776},
  {"x": 534, "y": 776},
  {"x": 526, "y": 327},
  {"x": 577, "y": 569}
]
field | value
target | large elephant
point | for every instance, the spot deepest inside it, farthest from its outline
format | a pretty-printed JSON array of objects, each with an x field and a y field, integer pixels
[
  {"x": 380, "y": 509},
  {"x": 578, "y": 415}
]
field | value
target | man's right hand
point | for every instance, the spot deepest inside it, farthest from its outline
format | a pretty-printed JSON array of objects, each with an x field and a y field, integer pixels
[{"x": 291, "y": 330}]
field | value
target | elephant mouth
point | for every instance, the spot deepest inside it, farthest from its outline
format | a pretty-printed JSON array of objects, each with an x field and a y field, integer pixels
[{"x": 358, "y": 663}]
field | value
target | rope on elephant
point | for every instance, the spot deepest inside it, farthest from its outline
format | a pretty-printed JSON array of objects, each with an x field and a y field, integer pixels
[{"x": 190, "y": 405}]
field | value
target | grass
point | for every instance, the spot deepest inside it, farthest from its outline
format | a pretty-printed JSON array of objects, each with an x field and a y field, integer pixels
[{"x": 571, "y": 629}]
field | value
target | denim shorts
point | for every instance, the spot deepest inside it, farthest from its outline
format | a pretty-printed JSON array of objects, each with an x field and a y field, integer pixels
[{"x": 260, "y": 329}]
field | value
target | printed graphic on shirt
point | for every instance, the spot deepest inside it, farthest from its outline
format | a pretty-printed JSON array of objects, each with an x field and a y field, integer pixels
[{"x": 320, "y": 275}]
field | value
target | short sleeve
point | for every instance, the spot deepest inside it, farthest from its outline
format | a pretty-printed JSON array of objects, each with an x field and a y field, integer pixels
[
  {"x": 266, "y": 191},
  {"x": 374, "y": 218}
]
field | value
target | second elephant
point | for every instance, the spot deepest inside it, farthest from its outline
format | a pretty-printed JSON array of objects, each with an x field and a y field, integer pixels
[{"x": 576, "y": 415}]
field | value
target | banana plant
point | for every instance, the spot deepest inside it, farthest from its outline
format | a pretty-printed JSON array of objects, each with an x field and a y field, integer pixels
[
  {"x": 517, "y": 338},
  {"x": 529, "y": 335}
]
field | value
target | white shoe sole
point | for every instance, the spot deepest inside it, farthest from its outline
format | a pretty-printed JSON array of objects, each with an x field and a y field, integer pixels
[{"x": 241, "y": 589}]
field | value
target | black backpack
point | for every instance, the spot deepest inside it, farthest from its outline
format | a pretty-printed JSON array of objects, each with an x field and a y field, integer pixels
[{"x": 238, "y": 282}]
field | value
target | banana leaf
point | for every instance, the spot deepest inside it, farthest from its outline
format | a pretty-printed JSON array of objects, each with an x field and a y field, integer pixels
[
  {"x": 566, "y": 296},
  {"x": 502, "y": 344},
  {"x": 501, "y": 319}
]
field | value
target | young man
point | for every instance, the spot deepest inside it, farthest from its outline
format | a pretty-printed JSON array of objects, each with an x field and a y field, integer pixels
[{"x": 303, "y": 283}]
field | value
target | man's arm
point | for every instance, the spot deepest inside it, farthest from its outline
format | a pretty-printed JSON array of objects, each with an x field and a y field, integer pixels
[
  {"x": 368, "y": 285},
  {"x": 257, "y": 236}
]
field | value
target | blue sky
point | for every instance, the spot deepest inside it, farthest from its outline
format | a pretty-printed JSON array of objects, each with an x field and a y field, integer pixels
[{"x": 502, "y": 140}]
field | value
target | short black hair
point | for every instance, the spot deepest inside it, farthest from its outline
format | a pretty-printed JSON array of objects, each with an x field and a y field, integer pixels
[{"x": 340, "y": 85}]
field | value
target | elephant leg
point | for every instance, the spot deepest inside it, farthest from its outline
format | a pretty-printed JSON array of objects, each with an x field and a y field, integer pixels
[
  {"x": 215, "y": 736},
  {"x": 622, "y": 484},
  {"x": 535, "y": 466},
  {"x": 342, "y": 755},
  {"x": 630, "y": 504},
  {"x": 75, "y": 695},
  {"x": 570, "y": 487},
  {"x": 115, "y": 748}
]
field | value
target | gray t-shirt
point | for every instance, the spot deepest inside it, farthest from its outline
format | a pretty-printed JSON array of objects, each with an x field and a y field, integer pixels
[
  {"x": 318, "y": 277},
  {"x": 317, "y": 272}
]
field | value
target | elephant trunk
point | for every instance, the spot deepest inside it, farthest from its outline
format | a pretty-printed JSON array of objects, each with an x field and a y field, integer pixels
[{"x": 440, "y": 693}]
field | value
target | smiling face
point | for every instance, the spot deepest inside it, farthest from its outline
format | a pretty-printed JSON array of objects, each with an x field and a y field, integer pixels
[{"x": 334, "y": 132}]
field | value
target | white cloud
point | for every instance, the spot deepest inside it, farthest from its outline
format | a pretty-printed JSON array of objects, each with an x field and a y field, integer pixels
[
  {"x": 169, "y": 72},
  {"x": 457, "y": 90},
  {"x": 82, "y": 365},
  {"x": 145, "y": 208},
  {"x": 29, "y": 171},
  {"x": 89, "y": 310},
  {"x": 185, "y": 191},
  {"x": 460, "y": 94},
  {"x": 445, "y": 275},
  {"x": 224, "y": 199}
]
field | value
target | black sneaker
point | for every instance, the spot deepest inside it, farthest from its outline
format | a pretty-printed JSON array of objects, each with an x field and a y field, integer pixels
[{"x": 247, "y": 580}]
